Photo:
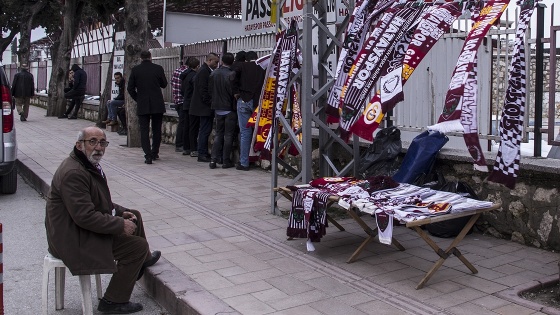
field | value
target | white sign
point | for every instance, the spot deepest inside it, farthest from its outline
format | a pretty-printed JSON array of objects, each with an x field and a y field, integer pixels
[
  {"x": 336, "y": 11},
  {"x": 118, "y": 61},
  {"x": 331, "y": 60},
  {"x": 256, "y": 14}
]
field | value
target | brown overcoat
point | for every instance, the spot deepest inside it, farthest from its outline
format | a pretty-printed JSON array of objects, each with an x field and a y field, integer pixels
[{"x": 79, "y": 221}]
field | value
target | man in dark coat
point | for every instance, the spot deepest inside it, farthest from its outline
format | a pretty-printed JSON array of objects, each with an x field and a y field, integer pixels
[
  {"x": 23, "y": 88},
  {"x": 223, "y": 102},
  {"x": 76, "y": 92},
  {"x": 201, "y": 102},
  {"x": 89, "y": 232},
  {"x": 144, "y": 86},
  {"x": 192, "y": 123}
]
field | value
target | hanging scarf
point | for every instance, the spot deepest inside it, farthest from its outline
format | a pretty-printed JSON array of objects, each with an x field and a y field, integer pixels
[
  {"x": 377, "y": 49},
  {"x": 433, "y": 24},
  {"x": 356, "y": 32},
  {"x": 449, "y": 120},
  {"x": 287, "y": 51},
  {"x": 506, "y": 167},
  {"x": 296, "y": 120},
  {"x": 469, "y": 120}
]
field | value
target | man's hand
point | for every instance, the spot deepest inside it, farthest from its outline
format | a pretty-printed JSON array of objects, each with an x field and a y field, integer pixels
[
  {"x": 129, "y": 215},
  {"x": 129, "y": 227}
]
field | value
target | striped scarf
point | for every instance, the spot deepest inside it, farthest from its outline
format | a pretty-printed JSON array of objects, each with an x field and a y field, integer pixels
[
  {"x": 377, "y": 50},
  {"x": 506, "y": 167}
]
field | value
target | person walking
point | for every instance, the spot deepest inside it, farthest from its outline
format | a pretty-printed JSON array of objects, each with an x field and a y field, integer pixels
[
  {"x": 144, "y": 86},
  {"x": 23, "y": 88},
  {"x": 192, "y": 123},
  {"x": 76, "y": 93},
  {"x": 90, "y": 233},
  {"x": 201, "y": 104},
  {"x": 223, "y": 103},
  {"x": 247, "y": 86},
  {"x": 178, "y": 100}
]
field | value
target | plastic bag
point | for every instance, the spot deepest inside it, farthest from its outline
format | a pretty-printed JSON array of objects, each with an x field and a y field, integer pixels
[
  {"x": 381, "y": 155},
  {"x": 420, "y": 156}
]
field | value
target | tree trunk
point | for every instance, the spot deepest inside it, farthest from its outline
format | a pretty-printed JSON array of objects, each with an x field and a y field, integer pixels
[
  {"x": 6, "y": 41},
  {"x": 61, "y": 55},
  {"x": 137, "y": 28},
  {"x": 29, "y": 13}
]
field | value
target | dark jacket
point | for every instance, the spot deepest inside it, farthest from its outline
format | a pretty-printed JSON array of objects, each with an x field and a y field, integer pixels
[
  {"x": 144, "y": 86},
  {"x": 80, "y": 80},
  {"x": 248, "y": 82},
  {"x": 201, "y": 99},
  {"x": 219, "y": 87},
  {"x": 23, "y": 85},
  {"x": 120, "y": 96},
  {"x": 187, "y": 87},
  {"x": 79, "y": 223}
]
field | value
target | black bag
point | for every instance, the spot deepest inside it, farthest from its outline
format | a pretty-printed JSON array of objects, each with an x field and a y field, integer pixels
[
  {"x": 452, "y": 228},
  {"x": 381, "y": 155}
]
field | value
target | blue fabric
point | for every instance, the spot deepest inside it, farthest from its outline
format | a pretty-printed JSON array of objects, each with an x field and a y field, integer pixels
[
  {"x": 420, "y": 156},
  {"x": 244, "y": 112}
]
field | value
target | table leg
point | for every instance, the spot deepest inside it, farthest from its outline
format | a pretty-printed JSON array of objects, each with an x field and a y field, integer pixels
[
  {"x": 451, "y": 249},
  {"x": 333, "y": 221}
]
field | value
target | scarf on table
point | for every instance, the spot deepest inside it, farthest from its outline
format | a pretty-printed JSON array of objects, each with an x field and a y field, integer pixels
[
  {"x": 506, "y": 167},
  {"x": 449, "y": 120},
  {"x": 377, "y": 49},
  {"x": 356, "y": 32},
  {"x": 431, "y": 27},
  {"x": 308, "y": 216}
]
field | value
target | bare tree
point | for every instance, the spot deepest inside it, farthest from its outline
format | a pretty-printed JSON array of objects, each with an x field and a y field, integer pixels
[
  {"x": 137, "y": 29},
  {"x": 61, "y": 54}
]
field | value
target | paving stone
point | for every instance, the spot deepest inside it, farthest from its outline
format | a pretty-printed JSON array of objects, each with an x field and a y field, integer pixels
[
  {"x": 469, "y": 309},
  {"x": 304, "y": 309},
  {"x": 455, "y": 298},
  {"x": 255, "y": 275},
  {"x": 242, "y": 289},
  {"x": 269, "y": 295},
  {"x": 379, "y": 308},
  {"x": 289, "y": 285},
  {"x": 490, "y": 302},
  {"x": 211, "y": 280},
  {"x": 513, "y": 309},
  {"x": 305, "y": 298},
  {"x": 480, "y": 284}
]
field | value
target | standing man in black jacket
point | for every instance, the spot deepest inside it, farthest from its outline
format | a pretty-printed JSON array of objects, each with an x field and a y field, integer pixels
[
  {"x": 192, "y": 123},
  {"x": 201, "y": 104},
  {"x": 23, "y": 88},
  {"x": 144, "y": 86},
  {"x": 76, "y": 93},
  {"x": 223, "y": 104}
]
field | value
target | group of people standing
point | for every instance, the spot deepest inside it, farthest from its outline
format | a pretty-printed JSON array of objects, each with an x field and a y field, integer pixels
[{"x": 228, "y": 95}]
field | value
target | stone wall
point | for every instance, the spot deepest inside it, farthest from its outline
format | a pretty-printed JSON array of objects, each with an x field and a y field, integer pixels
[{"x": 529, "y": 213}]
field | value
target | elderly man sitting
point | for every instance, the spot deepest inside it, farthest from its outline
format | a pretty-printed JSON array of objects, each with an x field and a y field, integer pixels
[{"x": 89, "y": 232}]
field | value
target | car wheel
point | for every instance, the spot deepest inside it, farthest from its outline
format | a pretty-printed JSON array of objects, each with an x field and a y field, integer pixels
[{"x": 8, "y": 182}]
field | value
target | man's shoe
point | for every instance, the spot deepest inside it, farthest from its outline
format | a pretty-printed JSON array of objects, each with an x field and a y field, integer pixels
[
  {"x": 203, "y": 159},
  {"x": 228, "y": 165},
  {"x": 112, "y": 123},
  {"x": 108, "y": 307},
  {"x": 212, "y": 165},
  {"x": 156, "y": 254},
  {"x": 194, "y": 154},
  {"x": 186, "y": 152},
  {"x": 148, "y": 161},
  {"x": 220, "y": 161},
  {"x": 72, "y": 117},
  {"x": 241, "y": 167},
  {"x": 63, "y": 116},
  {"x": 21, "y": 118},
  {"x": 106, "y": 121},
  {"x": 122, "y": 132},
  {"x": 178, "y": 149},
  {"x": 155, "y": 156}
]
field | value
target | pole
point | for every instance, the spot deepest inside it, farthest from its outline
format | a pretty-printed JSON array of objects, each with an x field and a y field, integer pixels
[{"x": 539, "y": 80}]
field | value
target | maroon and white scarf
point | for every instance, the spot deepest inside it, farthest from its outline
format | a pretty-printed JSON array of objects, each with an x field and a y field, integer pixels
[
  {"x": 356, "y": 32},
  {"x": 449, "y": 120},
  {"x": 377, "y": 49},
  {"x": 506, "y": 167},
  {"x": 433, "y": 24},
  {"x": 287, "y": 60}
]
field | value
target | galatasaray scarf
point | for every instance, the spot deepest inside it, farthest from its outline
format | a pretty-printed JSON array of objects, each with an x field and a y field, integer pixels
[
  {"x": 506, "y": 167},
  {"x": 449, "y": 120},
  {"x": 367, "y": 69}
]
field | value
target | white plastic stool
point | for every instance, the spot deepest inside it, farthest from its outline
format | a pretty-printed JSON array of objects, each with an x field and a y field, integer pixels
[{"x": 51, "y": 262}]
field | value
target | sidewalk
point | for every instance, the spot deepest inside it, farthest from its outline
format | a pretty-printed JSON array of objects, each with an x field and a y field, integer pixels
[{"x": 223, "y": 252}]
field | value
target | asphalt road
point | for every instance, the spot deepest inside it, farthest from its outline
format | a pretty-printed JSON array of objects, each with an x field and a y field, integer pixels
[{"x": 25, "y": 246}]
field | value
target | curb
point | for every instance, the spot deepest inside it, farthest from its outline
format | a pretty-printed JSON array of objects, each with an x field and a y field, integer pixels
[
  {"x": 514, "y": 295},
  {"x": 165, "y": 283}
]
